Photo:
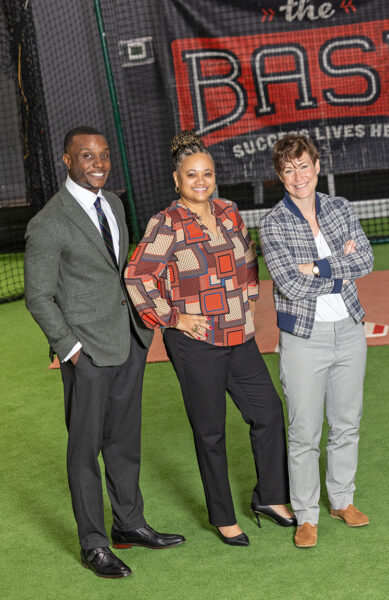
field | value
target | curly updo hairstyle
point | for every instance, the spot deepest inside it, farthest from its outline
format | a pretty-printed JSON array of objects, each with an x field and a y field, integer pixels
[{"x": 184, "y": 144}]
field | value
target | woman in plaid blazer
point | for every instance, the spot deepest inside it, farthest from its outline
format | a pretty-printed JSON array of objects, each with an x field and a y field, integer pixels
[{"x": 315, "y": 248}]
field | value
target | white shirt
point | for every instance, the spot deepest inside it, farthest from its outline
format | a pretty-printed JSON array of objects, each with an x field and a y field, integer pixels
[
  {"x": 329, "y": 307},
  {"x": 86, "y": 200}
]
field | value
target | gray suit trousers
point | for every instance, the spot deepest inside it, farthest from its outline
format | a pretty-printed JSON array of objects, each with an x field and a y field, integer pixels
[
  {"x": 326, "y": 370},
  {"x": 103, "y": 414}
]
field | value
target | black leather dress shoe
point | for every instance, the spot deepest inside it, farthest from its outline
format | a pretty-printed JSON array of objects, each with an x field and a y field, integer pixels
[
  {"x": 146, "y": 537},
  {"x": 258, "y": 509},
  {"x": 104, "y": 563},
  {"x": 237, "y": 540}
]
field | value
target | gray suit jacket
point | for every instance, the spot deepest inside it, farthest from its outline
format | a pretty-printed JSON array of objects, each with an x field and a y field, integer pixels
[{"x": 72, "y": 288}]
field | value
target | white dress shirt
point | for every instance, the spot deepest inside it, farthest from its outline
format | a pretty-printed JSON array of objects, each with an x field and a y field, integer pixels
[{"x": 86, "y": 200}]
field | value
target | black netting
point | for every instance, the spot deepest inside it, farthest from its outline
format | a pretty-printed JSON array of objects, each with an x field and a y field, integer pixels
[
  {"x": 13, "y": 208},
  {"x": 29, "y": 178},
  {"x": 240, "y": 72}
]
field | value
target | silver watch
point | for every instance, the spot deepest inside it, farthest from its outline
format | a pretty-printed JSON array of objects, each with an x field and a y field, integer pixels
[{"x": 315, "y": 270}]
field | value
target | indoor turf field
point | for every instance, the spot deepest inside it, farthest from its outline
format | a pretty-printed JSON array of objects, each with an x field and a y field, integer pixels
[{"x": 39, "y": 543}]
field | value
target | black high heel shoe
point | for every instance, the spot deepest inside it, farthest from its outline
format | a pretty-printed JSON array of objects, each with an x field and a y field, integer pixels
[
  {"x": 266, "y": 510},
  {"x": 237, "y": 540}
]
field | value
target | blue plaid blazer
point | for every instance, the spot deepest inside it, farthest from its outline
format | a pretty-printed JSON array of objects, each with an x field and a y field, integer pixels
[{"x": 287, "y": 240}]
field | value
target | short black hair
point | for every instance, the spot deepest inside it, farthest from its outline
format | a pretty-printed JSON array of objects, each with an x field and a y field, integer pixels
[{"x": 80, "y": 130}]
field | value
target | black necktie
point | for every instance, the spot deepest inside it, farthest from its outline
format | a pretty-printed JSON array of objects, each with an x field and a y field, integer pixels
[{"x": 105, "y": 231}]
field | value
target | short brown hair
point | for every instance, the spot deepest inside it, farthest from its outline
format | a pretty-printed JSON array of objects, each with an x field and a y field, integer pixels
[{"x": 290, "y": 147}]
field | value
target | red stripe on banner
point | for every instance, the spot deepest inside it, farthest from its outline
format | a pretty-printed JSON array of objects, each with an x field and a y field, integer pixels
[{"x": 228, "y": 86}]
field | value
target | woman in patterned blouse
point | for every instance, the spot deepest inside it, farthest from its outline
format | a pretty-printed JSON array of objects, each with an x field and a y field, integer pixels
[{"x": 195, "y": 274}]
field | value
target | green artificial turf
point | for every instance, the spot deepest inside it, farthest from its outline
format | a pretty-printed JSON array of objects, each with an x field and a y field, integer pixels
[
  {"x": 39, "y": 546},
  {"x": 11, "y": 276}
]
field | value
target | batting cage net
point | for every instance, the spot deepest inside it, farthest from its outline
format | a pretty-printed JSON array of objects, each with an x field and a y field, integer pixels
[{"x": 241, "y": 73}]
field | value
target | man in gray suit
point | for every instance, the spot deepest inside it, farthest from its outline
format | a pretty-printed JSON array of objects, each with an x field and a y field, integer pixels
[{"x": 76, "y": 248}]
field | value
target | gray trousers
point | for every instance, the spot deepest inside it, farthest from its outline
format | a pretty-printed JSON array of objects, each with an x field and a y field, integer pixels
[
  {"x": 103, "y": 414},
  {"x": 328, "y": 370}
]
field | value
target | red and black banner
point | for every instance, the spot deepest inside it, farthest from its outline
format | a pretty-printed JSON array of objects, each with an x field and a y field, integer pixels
[{"x": 243, "y": 74}]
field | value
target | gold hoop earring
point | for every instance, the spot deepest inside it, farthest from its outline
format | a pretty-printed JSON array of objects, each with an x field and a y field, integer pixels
[{"x": 177, "y": 189}]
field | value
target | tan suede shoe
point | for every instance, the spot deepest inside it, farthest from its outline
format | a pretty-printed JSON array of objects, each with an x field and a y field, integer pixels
[
  {"x": 351, "y": 516},
  {"x": 306, "y": 536}
]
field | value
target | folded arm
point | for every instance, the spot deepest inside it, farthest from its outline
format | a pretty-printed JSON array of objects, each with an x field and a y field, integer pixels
[
  {"x": 284, "y": 270},
  {"x": 349, "y": 264}
]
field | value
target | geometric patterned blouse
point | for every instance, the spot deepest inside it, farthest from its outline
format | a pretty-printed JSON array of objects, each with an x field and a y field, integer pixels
[{"x": 180, "y": 266}]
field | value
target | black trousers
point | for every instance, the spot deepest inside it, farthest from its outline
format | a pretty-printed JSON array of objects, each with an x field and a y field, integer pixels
[
  {"x": 103, "y": 414},
  {"x": 205, "y": 373}
]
